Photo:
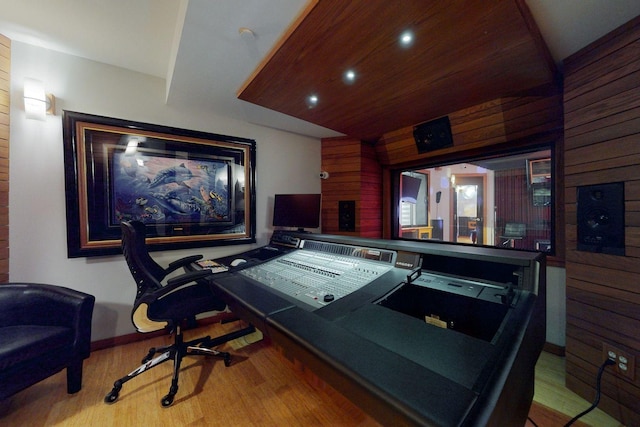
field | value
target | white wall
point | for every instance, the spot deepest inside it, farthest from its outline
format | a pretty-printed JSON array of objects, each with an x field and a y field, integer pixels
[
  {"x": 556, "y": 307},
  {"x": 285, "y": 163}
]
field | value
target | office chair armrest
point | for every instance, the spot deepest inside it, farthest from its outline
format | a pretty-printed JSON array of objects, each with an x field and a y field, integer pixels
[
  {"x": 181, "y": 280},
  {"x": 182, "y": 262}
]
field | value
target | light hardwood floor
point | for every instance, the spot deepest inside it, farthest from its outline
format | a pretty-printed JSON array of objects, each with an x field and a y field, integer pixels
[
  {"x": 260, "y": 388},
  {"x": 551, "y": 392}
]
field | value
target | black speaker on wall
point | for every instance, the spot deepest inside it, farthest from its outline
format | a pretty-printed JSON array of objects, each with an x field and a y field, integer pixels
[
  {"x": 433, "y": 135},
  {"x": 347, "y": 215},
  {"x": 600, "y": 215}
]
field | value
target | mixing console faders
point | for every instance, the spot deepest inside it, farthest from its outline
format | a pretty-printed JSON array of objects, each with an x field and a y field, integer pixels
[{"x": 316, "y": 278}]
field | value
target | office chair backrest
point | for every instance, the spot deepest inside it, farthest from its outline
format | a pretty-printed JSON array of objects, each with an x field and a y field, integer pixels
[{"x": 146, "y": 272}]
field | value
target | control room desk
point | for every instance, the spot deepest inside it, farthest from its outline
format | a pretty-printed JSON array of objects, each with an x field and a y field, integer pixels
[{"x": 396, "y": 368}]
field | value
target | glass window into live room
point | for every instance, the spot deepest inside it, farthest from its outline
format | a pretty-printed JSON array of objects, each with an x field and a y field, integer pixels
[{"x": 504, "y": 201}]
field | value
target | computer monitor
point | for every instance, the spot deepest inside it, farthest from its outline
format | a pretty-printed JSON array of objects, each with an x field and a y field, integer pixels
[
  {"x": 296, "y": 210},
  {"x": 410, "y": 189}
]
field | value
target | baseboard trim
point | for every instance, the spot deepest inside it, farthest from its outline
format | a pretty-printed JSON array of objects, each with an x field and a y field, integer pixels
[
  {"x": 554, "y": 349},
  {"x": 136, "y": 336}
]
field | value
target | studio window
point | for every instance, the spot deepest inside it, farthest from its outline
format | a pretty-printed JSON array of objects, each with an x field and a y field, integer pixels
[{"x": 504, "y": 201}]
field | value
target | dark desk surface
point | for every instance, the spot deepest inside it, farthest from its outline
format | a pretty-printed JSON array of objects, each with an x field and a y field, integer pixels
[{"x": 398, "y": 368}]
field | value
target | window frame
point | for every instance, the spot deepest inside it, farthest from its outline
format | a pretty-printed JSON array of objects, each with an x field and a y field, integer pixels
[{"x": 391, "y": 182}]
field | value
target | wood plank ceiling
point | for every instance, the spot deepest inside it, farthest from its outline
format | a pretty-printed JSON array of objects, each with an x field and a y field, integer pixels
[{"x": 463, "y": 53}]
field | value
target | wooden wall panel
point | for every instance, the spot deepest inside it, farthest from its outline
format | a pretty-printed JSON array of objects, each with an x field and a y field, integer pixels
[
  {"x": 5, "y": 69},
  {"x": 354, "y": 174},
  {"x": 503, "y": 121},
  {"x": 371, "y": 194},
  {"x": 602, "y": 145}
]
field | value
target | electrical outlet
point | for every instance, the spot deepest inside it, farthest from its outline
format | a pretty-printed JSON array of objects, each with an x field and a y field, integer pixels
[{"x": 625, "y": 364}]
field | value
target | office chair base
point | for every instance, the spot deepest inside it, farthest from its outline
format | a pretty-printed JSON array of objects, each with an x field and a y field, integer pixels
[{"x": 175, "y": 352}]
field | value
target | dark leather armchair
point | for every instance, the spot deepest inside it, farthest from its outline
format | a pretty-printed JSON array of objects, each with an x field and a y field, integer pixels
[
  {"x": 162, "y": 303},
  {"x": 43, "y": 330}
]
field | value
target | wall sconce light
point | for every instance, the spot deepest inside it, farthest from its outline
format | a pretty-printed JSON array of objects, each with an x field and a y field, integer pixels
[{"x": 37, "y": 104}]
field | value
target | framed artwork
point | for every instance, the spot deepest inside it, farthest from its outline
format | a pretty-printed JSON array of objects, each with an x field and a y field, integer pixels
[{"x": 190, "y": 188}]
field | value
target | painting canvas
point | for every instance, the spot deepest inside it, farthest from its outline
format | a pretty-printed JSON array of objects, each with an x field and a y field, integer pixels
[{"x": 153, "y": 188}]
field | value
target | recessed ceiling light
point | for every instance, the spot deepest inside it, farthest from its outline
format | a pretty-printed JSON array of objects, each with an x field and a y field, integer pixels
[
  {"x": 406, "y": 38},
  {"x": 312, "y": 101},
  {"x": 349, "y": 76}
]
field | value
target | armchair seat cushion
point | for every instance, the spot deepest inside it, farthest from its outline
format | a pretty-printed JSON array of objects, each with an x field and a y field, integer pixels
[{"x": 22, "y": 343}]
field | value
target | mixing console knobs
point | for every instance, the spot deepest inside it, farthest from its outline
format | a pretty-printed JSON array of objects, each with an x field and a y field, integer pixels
[{"x": 328, "y": 298}]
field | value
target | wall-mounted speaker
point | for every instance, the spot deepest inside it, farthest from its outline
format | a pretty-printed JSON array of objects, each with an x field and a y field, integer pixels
[
  {"x": 347, "y": 215},
  {"x": 433, "y": 135},
  {"x": 600, "y": 215}
]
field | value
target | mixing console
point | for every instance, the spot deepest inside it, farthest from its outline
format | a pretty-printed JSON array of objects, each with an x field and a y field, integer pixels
[{"x": 316, "y": 278}]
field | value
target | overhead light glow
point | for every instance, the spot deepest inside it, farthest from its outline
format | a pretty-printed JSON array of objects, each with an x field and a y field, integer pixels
[
  {"x": 406, "y": 38},
  {"x": 349, "y": 76},
  {"x": 312, "y": 101}
]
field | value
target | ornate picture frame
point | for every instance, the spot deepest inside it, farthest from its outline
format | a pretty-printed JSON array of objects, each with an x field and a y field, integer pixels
[{"x": 190, "y": 188}]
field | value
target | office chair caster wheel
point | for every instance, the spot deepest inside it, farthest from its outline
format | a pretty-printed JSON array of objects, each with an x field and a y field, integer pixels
[
  {"x": 167, "y": 400},
  {"x": 112, "y": 396},
  {"x": 227, "y": 360}
]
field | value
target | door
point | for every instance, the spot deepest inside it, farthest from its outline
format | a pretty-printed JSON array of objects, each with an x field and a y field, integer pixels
[{"x": 468, "y": 210}]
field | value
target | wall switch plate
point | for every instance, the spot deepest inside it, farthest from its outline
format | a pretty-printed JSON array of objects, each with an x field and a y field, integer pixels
[{"x": 625, "y": 363}]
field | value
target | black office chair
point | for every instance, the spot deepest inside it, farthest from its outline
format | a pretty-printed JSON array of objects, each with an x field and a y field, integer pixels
[
  {"x": 158, "y": 306},
  {"x": 513, "y": 231}
]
